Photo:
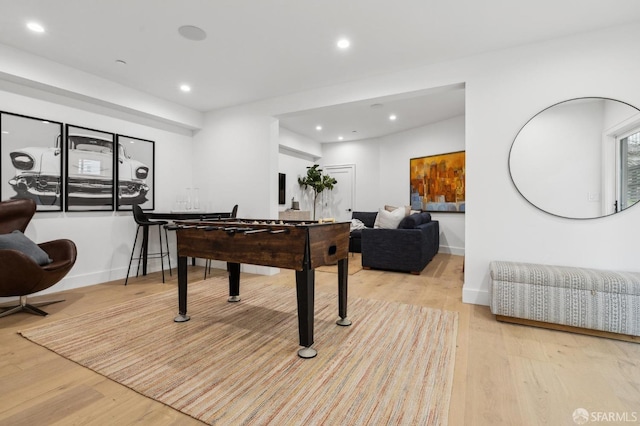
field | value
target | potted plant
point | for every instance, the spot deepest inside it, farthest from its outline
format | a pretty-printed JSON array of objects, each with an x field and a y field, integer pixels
[{"x": 317, "y": 182}]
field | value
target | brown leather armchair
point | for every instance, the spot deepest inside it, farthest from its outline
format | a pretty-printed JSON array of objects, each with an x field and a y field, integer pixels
[{"x": 20, "y": 274}]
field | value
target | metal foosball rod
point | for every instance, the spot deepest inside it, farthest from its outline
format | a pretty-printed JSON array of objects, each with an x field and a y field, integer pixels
[{"x": 256, "y": 231}]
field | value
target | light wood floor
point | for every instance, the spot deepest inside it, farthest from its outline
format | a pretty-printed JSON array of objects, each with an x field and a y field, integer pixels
[{"x": 505, "y": 374}]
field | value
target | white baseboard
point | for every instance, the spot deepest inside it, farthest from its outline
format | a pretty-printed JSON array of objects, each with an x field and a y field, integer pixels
[
  {"x": 458, "y": 251},
  {"x": 475, "y": 297},
  {"x": 71, "y": 282}
]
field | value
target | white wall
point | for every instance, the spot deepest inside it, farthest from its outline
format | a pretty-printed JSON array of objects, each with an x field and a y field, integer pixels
[
  {"x": 296, "y": 153},
  {"x": 293, "y": 167},
  {"x": 365, "y": 155},
  {"x": 382, "y": 170},
  {"x": 503, "y": 91},
  {"x": 395, "y": 153},
  {"x": 298, "y": 144},
  {"x": 235, "y": 162},
  {"x": 235, "y": 156},
  {"x": 104, "y": 239}
]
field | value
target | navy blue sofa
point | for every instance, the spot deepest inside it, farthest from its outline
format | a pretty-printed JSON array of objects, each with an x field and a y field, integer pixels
[
  {"x": 408, "y": 248},
  {"x": 355, "y": 237}
]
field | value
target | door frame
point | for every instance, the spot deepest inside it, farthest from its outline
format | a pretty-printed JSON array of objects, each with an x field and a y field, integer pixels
[{"x": 352, "y": 168}]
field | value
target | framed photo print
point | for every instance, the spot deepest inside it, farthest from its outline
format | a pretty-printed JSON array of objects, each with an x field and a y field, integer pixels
[
  {"x": 90, "y": 169},
  {"x": 136, "y": 173},
  {"x": 31, "y": 160},
  {"x": 437, "y": 182}
]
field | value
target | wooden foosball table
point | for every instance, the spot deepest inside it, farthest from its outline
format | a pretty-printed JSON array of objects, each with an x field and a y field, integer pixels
[{"x": 302, "y": 246}]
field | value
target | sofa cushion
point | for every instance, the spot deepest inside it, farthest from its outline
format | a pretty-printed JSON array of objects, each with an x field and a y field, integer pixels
[
  {"x": 19, "y": 242},
  {"x": 356, "y": 233},
  {"x": 368, "y": 218},
  {"x": 409, "y": 222},
  {"x": 389, "y": 220},
  {"x": 414, "y": 220}
]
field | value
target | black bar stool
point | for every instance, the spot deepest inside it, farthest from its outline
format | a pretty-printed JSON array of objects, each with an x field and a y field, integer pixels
[
  {"x": 143, "y": 222},
  {"x": 232, "y": 215}
]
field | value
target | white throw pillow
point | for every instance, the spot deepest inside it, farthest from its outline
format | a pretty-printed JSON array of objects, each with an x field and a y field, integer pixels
[
  {"x": 407, "y": 209},
  {"x": 389, "y": 220}
]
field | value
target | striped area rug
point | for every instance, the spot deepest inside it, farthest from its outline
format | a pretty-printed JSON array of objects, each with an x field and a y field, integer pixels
[{"x": 237, "y": 363}]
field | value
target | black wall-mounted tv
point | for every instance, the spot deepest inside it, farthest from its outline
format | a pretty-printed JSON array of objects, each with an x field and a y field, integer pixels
[{"x": 282, "y": 188}]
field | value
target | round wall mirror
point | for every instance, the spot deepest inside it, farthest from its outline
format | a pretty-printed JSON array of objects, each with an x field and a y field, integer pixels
[{"x": 579, "y": 158}]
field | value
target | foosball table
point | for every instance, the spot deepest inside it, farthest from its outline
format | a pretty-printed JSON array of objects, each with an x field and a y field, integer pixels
[{"x": 298, "y": 245}]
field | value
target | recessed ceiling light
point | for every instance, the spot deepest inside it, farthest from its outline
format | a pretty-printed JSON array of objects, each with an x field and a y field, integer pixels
[
  {"x": 193, "y": 33},
  {"x": 340, "y": 138},
  {"x": 121, "y": 62},
  {"x": 35, "y": 27},
  {"x": 185, "y": 87},
  {"x": 5, "y": 132},
  {"x": 343, "y": 43},
  {"x": 392, "y": 117},
  {"x": 318, "y": 128}
]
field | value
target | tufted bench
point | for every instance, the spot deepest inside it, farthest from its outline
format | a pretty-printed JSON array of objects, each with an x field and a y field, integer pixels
[{"x": 588, "y": 301}]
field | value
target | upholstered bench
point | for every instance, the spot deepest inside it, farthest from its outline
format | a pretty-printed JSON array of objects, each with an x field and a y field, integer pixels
[{"x": 588, "y": 301}]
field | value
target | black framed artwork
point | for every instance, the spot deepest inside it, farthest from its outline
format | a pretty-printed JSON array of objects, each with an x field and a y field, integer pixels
[
  {"x": 89, "y": 178},
  {"x": 136, "y": 173},
  {"x": 31, "y": 160}
]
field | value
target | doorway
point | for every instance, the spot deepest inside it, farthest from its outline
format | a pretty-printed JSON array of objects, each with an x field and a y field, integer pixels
[{"x": 339, "y": 202}]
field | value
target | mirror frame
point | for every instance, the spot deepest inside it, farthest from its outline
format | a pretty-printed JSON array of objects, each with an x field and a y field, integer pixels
[{"x": 634, "y": 123}]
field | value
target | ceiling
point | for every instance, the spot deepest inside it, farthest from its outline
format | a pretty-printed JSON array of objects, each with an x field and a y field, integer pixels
[
  {"x": 258, "y": 49},
  {"x": 370, "y": 118}
]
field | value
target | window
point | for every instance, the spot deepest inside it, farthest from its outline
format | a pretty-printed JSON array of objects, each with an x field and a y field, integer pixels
[{"x": 629, "y": 170}]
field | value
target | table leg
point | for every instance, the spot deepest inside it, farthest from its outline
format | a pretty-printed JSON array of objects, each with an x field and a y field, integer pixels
[
  {"x": 343, "y": 274},
  {"x": 182, "y": 290},
  {"x": 305, "y": 289},
  {"x": 234, "y": 281}
]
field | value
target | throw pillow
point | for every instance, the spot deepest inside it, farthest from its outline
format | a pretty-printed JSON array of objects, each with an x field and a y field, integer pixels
[
  {"x": 407, "y": 209},
  {"x": 410, "y": 222},
  {"x": 389, "y": 220},
  {"x": 18, "y": 241}
]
